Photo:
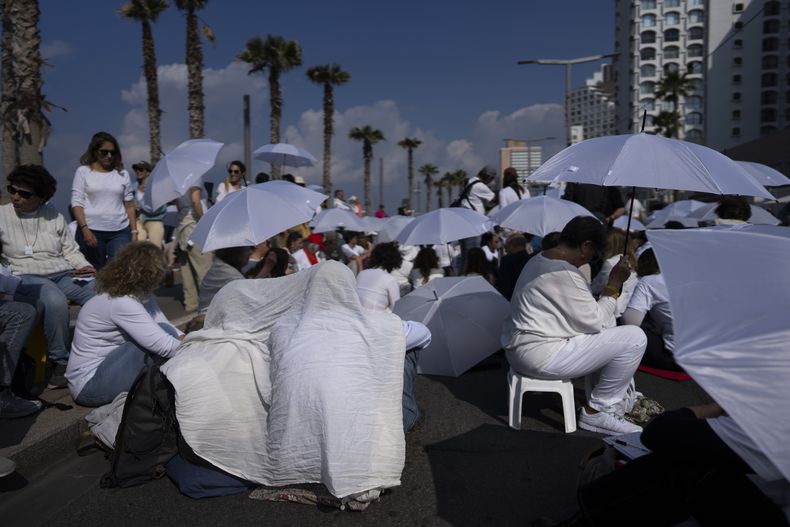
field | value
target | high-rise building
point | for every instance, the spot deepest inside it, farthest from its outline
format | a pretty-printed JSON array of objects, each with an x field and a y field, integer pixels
[
  {"x": 519, "y": 154},
  {"x": 591, "y": 107}
]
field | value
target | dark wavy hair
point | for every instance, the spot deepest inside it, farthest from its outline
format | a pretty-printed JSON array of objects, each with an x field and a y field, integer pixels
[
  {"x": 734, "y": 208},
  {"x": 476, "y": 262},
  {"x": 239, "y": 164},
  {"x": 136, "y": 270},
  {"x": 582, "y": 229},
  {"x": 386, "y": 256},
  {"x": 647, "y": 263},
  {"x": 281, "y": 266},
  {"x": 425, "y": 261},
  {"x": 236, "y": 257},
  {"x": 99, "y": 138},
  {"x": 36, "y": 178}
]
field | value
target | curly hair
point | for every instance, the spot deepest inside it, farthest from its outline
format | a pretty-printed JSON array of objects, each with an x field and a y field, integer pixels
[
  {"x": 35, "y": 177},
  {"x": 98, "y": 139},
  {"x": 136, "y": 270},
  {"x": 425, "y": 261},
  {"x": 386, "y": 256}
]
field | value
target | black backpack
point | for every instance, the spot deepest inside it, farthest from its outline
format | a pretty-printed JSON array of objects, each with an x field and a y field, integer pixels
[
  {"x": 465, "y": 196},
  {"x": 147, "y": 437}
]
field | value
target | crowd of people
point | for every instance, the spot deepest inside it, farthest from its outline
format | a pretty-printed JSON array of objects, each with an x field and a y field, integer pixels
[{"x": 588, "y": 301}]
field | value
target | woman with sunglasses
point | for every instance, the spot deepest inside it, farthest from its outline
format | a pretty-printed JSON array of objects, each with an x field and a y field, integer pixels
[
  {"x": 236, "y": 180},
  {"x": 102, "y": 199},
  {"x": 39, "y": 249}
]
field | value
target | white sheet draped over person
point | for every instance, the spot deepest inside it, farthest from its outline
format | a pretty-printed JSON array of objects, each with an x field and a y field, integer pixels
[{"x": 292, "y": 381}]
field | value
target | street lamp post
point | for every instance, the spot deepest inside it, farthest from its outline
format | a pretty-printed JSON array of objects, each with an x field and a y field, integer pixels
[{"x": 568, "y": 79}]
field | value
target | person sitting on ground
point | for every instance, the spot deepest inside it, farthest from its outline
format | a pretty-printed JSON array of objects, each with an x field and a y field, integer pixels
[
  {"x": 477, "y": 264},
  {"x": 353, "y": 253},
  {"x": 121, "y": 325},
  {"x": 274, "y": 265},
  {"x": 733, "y": 210},
  {"x": 227, "y": 266},
  {"x": 489, "y": 242},
  {"x": 512, "y": 263},
  {"x": 615, "y": 242},
  {"x": 650, "y": 297},
  {"x": 557, "y": 330},
  {"x": 426, "y": 268},
  {"x": 304, "y": 259},
  {"x": 261, "y": 177},
  {"x": 550, "y": 241},
  {"x": 258, "y": 253},
  {"x": 446, "y": 252},
  {"x": 402, "y": 274},
  {"x": 377, "y": 288},
  {"x": 39, "y": 249}
]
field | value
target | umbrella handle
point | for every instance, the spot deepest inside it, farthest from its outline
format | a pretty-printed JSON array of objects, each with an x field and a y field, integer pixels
[{"x": 630, "y": 215}]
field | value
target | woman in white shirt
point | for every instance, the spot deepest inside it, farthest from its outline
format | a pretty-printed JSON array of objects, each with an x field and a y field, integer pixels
[
  {"x": 511, "y": 190},
  {"x": 377, "y": 288},
  {"x": 102, "y": 199},
  {"x": 236, "y": 180},
  {"x": 426, "y": 268},
  {"x": 615, "y": 241},
  {"x": 121, "y": 325}
]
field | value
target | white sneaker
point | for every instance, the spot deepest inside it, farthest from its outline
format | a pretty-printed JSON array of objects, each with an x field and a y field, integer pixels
[
  {"x": 606, "y": 423},
  {"x": 6, "y": 466}
]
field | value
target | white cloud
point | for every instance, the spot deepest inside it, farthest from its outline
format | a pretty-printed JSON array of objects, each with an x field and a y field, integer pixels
[{"x": 55, "y": 48}]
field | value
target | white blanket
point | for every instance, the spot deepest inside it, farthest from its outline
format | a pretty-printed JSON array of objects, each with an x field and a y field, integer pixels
[{"x": 291, "y": 381}]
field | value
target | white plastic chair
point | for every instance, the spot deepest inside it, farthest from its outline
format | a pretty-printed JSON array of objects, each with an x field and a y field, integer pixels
[{"x": 520, "y": 384}]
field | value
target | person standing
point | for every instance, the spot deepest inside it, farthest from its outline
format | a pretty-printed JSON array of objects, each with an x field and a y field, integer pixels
[
  {"x": 150, "y": 222},
  {"x": 476, "y": 196},
  {"x": 102, "y": 200},
  {"x": 190, "y": 210},
  {"x": 605, "y": 202},
  {"x": 236, "y": 180},
  {"x": 512, "y": 190}
]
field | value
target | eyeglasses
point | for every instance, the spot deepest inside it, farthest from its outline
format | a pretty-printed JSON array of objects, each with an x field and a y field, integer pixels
[
  {"x": 24, "y": 194},
  {"x": 231, "y": 171},
  {"x": 106, "y": 153}
]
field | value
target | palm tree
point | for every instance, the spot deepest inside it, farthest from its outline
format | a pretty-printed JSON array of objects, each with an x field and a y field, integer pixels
[
  {"x": 278, "y": 55},
  {"x": 328, "y": 75},
  {"x": 369, "y": 137},
  {"x": 448, "y": 180},
  {"x": 440, "y": 185},
  {"x": 10, "y": 157},
  {"x": 667, "y": 123},
  {"x": 460, "y": 176},
  {"x": 410, "y": 144},
  {"x": 145, "y": 12},
  {"x": 672, "y": 87},
  {"x": 194, "y": 60},
  {"x": 428, "y": 171}
]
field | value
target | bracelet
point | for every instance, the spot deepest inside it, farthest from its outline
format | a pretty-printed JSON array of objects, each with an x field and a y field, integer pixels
[
  {"x": 83, "y": 226},
  {"x": 615, "y": 292},
  {"x": 134, "y": 231}
]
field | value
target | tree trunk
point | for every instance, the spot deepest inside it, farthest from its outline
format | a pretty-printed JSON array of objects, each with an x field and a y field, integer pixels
[
  {"x": 428, "y": 191},
  {"x": 329, "y": 110},
  {"x": 195, "y": 74},
  {"x": 368, "y": 155},
  {"x": 411, "y": 178},
  {"x": 276, "y": 112},
  {"x": 440, "y": 197},
  {"x": 152, "y": 85},
  {"x": 10, "y": 153},
  {"x": 449, "y": 193}
]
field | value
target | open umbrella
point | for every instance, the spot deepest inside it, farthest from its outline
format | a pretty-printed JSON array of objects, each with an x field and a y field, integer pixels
[
  {"x": 622, "y": 223},
  {"x": 688, "y": 223},
  {"x": 333, "y": 219},
  {"x": 179, "y": 170},
  {"x": 759, "y": 216},
  {"x": 372, "y": 223},
  {"x": 283, "y": 154},
  {"x": 767, "y": 176},
  {"x": 730, "y": 319},
  {"x": 392, "y": 227},
  {"x": 444, "y": 226},
  {"x": 465, "y": 316},
  {"x": 680, "y": 209},
  {"x": 539, "y": 215},
  {"x": 254, "y": 214}
]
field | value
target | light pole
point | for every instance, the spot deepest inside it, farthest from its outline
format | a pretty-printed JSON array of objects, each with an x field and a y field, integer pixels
[{"x": 568, "y": 79}]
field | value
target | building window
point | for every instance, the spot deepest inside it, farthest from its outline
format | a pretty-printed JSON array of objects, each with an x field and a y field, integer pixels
[
  {"x": 771, "y": 8},
  {"x": 769, "y": 79},
  {"x": 647, "y": 54},
  {"x": 736, "y": 115},
  {"x": 768, "y": 115},
  {"x": 693, "y": 135},
  {"x": 736, "y": 79},
  {"x": 648, "y": 4},
  {"x": 695, "y": 67},
  {"x": 647, "y": 88},
  {"x": 671, "y": 67},
  {"x": 771, "y": 26},
  {"x": 694, "y": 118},
  {"x": 694, "y": 103},
  {"x": 672, "y": 3},
  {"x": 736, "y": 96},
  {"x": 737, "y": 61},
  {"x": 770, "y": 44},
  {"x": 648, "y": 37},
  {"x": 696, "y": 33},
  {"x": 697, "y": 2},
  {"x": 735, "y": 132},
  {"x": 647, "y": 70},
  {"x": 671, "y": 35},
  {"x": 649, "y": 120},
  {"x": 768, "y": 129},
  {"x": 769, "y": 97},
  {"x": 694, "y": 50},
  {"x": 648, "y": 20},
  {"x": 696, "y": 85},
  {"x": 671, "y": 52},
  {"x": 696, "y": 16},
  {"x": 737, "y": 8},
  {"x": 737, "y": 44},
  {"x": 770, "y": 62},
  {"x": 672, "y": 18},
  {"x": 647, "y": 104}
]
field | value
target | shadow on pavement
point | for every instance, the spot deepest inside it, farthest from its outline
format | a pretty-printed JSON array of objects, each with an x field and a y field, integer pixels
[{"x": 13, "y": 431}]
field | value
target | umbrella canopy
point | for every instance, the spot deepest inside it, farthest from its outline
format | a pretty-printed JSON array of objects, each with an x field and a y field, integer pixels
[
  {"x": 254, "y": 214},
  {"x": 180, "y": 170},
  {"x": 392, "y": 227},
  {"x": 649, "y": 161},
  {"x": 730, "y": 320},
  {"x": 284, "y": 154},
  {"x": 465, "y": 316},
  {"x": 688, "y": 223},
  {"x": 539, "y": 215},
  {"x": 680, "y": 209},
  {"x": 332, "y": 219},
  {"x": 371, "y": 223},
  {"x": 444, "y": 226},
  {"x": 765, "y": 175},
  {"x": 760, "y": 216},
  {"x": 622, "y": 224}
]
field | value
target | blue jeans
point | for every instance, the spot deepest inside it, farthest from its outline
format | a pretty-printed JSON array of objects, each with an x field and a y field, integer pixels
[
  {"x": 116, "y": 373},
  {"x": 410, "y": 411},
  {"x": 107, "y": 244},
  {"x": 50, "y": 297},
  {"x": 16, "y": 322}
]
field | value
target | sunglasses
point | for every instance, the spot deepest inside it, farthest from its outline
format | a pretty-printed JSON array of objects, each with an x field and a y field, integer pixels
[
  {"x": 231, "y": 171},
  {"x": 106, "y": 153},
  {"x": 24, "y": 194}
]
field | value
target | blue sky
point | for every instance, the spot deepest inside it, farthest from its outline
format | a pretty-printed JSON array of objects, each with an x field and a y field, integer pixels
[{"x": 442, "y": 71}]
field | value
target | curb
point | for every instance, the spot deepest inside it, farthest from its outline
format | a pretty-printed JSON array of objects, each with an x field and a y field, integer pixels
[{"x": 38, "y": 456}]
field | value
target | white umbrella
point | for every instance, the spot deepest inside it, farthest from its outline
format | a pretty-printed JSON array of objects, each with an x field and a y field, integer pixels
[
  {"x": 179, "y": 170},
  {"x": 767, "y": 176},
  {"x": 730, "y": 319},
  {"x": 650, "y": 161},
  {"x": 332, "y": 219},
  {"x": 283, "y": 154},
  {"x": 444, "y": 226},
  {"x": 372, "y": 224},
  {"x": 680, "y": 209},
  {"x": 539, "y": 215},
  {"x": 622, "y": 224},
  {"x": 254, "y": 214},
  {"x": 392, "y": 227},
  {"x": 688, "y": 223},
  {"x": 465, "y": 316},
  {"x": 316, "y": 188},
  {"x": 759, "y": 216}
]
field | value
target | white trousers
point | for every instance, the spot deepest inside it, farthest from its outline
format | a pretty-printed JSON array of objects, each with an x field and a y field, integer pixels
[{"x": 613, "y": 354}]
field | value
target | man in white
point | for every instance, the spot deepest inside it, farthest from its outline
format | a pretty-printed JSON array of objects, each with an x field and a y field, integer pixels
[
  {"x": 557, "y": 330},
  {"x": 476, "y": 196}
]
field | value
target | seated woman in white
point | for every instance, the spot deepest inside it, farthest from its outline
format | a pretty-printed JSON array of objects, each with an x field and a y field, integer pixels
[
  {"x": 120, "y": 326},
  {"x": 557, "y": 330},
  {"x": 377, "y": 288},
  {"x": 227, "y": 266},
  {"x": 426, "y": 268},
  {"x": 615, "y": 242}
]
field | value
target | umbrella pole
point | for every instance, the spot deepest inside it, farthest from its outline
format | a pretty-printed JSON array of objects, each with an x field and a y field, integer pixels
[{"x": 630, "y": 215}]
